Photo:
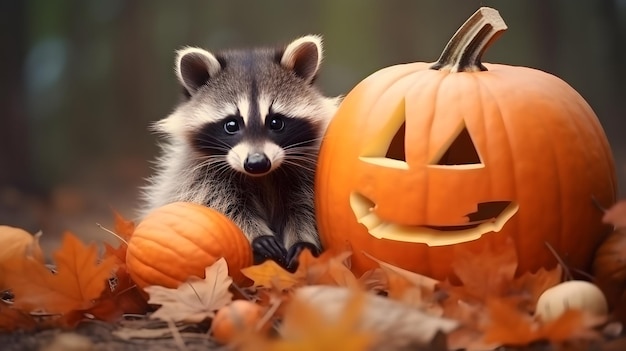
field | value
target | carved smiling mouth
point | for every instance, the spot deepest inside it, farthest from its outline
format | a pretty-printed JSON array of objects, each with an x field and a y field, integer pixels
[{"x": 490, "y": 217}]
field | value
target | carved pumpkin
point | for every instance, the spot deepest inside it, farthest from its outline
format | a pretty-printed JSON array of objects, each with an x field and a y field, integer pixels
[
  {"x": 423, "y": 158},
  {"x": 181, "y": 239}
]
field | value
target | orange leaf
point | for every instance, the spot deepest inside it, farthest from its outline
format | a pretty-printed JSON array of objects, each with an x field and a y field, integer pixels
[
  {"x": 79, "y": 279},
  {"x": 488, "y": 273},
  {"x": 532, "y": 285},
  {"x": 330, "y": 268},
  {"x": 12, "y": 319},
  {"x": 507, "y": 325},
  {"x": 270, "y": 275},
  {"x": 124, "y": 297},
  {"x": 123, "y": 227}
]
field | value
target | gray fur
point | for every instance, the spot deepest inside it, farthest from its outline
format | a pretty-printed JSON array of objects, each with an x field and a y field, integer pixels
[{"x": 278, "y": 203}]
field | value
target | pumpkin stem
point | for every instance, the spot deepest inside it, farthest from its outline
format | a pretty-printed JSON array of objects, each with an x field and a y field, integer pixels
[{"x": 464, "y": 51}]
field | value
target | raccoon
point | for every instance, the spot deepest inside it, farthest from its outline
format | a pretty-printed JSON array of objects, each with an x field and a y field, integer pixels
[{"x": 244, "y": 141}]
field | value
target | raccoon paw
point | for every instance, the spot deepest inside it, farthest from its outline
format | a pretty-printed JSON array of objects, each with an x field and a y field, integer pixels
[
  {"x": 294, "y": 252},
  {"x": 267, "y": 247}
]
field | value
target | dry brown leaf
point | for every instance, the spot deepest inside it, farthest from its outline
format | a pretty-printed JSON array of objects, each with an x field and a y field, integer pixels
[
  {"x": 123, "y": 297},
  {"x": 80, "y": 279},
  {"x": 616, "y": 215},
  {"x": 196, "y": 299},
  {"x": 395, "y": 324},
  {"x": 507, "y": 325}
]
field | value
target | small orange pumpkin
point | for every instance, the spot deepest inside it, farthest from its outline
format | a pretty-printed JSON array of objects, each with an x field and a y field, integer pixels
[
  {"x": 423, "y": 158},
  {"x": 181, "y": 239},
  {"x": 238, "y": 317}
]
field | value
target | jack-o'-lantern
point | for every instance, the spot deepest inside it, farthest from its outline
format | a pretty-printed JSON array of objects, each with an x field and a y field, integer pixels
[{"x": 423, "y": 158}]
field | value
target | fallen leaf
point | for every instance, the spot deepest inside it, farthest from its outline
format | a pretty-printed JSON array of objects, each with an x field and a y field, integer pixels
[
  {"x": 529, "y": 286},
  {"x": 413, "y": 289},
  {"x": 79, "y": 278},
  {"x": 507, "y": 325},
  {"x": 330, "y": 268},
  {"x": 12, "y": 319},
  {"x": 122, "y": 226},
  {"x": 488, "y": 273},
  {"x": 306, "y": 328},
  {"x": 394, "y": 325},
  {"x": 123, "y": 229},
  {"x": 616, "y": 215},
  {"x": 270, "y": 275},
  {"x": 122, "y": 297},
  {"x": 196, "y": 299}
]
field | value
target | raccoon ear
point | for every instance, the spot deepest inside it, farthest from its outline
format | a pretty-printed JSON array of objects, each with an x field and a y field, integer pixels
[
  {"x": 304, "y": 56},
  {"x": 194, "y": 67}
]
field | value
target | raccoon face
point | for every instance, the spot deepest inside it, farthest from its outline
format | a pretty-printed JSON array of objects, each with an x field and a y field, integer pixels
[
  {"x": 251, "y": 110},
  {"x": 257, "y": 143}
]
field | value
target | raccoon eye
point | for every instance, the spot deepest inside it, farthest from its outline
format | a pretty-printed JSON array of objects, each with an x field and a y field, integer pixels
[
  {"x": 276, "y": 124},
  {"x": 231, "y": 126}
]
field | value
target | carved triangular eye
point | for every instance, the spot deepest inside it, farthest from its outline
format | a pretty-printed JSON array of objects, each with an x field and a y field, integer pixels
[
  {"x": 460, "y": 152},
  {"x": 387, "y": 148},
  {"x": 396, "y": 147}
]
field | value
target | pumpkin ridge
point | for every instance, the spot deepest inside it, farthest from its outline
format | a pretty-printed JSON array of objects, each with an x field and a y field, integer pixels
[
  {"x": 601, "y": 136},
  {"x": 168, "y": 266},
  {"x": 148, "y": 272},
  {"x": 519, "y": 226}
]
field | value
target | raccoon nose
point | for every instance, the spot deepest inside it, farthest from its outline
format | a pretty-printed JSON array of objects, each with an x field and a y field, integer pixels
[{"x": 257, "y": 163}]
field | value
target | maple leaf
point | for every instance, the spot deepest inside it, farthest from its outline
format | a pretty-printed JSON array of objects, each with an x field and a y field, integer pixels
[
  {"x": 270, "y": 275},
  {"x": 79, "y": 278},
  {"x": 123, "y": 229},
  {"x": 616, "y": 215},
  {"x": 488, "y": 273},
  {"x": 196, "y": 299}
]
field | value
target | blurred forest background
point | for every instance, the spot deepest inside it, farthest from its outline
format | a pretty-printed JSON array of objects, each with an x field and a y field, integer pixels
[{"x": 81, "y": 80}]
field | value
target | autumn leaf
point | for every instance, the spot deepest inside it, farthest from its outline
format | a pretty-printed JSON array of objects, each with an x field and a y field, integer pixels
[
  {"x": 123, "y": 297},
  {"x": 124, "y": 229},
  {"x": 196, "y": 299},
  {"x": 122, "y": 226},
  {"x": 508, "y": 325},
  {"x": 529, "y": 286},
  {"x": 616, "y": 215},
  {"x": 80, "y": 278},
  {"x": 412, "y": 289},
  {"x": 488, "y": 273},
  {"x": 305, "y": 328},
  {"x": 330, "y": 268},
  {"x": 270, "y": 275},
  {"x": 395, "y": 325},
  {"x": 12, "y": 319}
]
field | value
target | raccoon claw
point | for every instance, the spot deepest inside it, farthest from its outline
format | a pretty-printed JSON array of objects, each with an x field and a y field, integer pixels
[
  {"x": 294, "y": 253},
  {"x": 267, "y": 246}
]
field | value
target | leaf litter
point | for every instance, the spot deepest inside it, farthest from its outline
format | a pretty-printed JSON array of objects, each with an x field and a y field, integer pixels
[{"x": 323, "y": 303}]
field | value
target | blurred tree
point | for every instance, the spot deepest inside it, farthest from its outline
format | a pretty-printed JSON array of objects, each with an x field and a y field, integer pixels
[{"x": 15, "y": 148}]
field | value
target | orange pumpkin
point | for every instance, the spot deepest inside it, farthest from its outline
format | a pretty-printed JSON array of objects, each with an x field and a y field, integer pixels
[
  {"x": 181, "y": 239},
  {"x": 424, "y": 158}
]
